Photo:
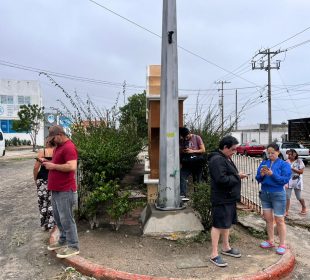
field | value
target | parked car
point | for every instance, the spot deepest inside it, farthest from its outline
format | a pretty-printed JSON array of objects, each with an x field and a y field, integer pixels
[
  {"x": 2, "y": 144},
  {"x": 303, "y": 153},
  {"x": 251, "y": 149}
]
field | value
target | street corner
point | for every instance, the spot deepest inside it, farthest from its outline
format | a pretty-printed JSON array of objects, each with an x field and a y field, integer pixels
[{"x": 278, "y": 270}]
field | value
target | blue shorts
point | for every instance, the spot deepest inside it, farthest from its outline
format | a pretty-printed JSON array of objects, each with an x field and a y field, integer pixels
[{"x": 275, "y": 201}]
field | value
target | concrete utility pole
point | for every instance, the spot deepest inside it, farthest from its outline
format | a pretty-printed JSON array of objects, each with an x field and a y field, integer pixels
[
  {"x": 268, "y": 68},
  {"x": 221, "y": 104},
  {"x": 169, "y": 163},
  {"x": 236, "y": 109}
]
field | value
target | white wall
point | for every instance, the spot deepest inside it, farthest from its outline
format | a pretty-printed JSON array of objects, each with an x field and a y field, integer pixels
[
  {"x": 259, "y": 137},
  {"x": 18, "y": 90}
]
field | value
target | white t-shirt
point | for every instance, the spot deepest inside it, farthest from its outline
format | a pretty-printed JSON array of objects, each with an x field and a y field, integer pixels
[{"x": 296, "y": 181}]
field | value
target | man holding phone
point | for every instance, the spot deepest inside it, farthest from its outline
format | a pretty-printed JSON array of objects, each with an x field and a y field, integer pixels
[
  {"x": 61, "y": 181},
  {"x": 225, "y": 192}
]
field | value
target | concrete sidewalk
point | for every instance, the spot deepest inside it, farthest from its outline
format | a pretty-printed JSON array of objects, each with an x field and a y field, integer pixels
[{"x": 18, "y": 152}]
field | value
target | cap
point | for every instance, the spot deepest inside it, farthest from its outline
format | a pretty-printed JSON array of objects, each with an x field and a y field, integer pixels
[{"x": 55, "y": 130}]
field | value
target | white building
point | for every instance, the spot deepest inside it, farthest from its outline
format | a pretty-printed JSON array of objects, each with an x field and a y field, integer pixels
[
  {"x": 13, "y": 94},
  {"x": 259, "y": 133}
]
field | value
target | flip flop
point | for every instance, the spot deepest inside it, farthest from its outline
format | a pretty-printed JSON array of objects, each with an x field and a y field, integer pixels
[{"x": 303, "y": 212}]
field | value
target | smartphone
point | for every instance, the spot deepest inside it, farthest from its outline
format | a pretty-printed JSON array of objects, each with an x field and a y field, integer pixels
[
  {"x": 264, "y": 166},
  {"x": 37, "y": 159}
]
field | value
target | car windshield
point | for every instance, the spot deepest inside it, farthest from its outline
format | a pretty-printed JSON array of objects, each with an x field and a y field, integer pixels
[
  {"x": 291, "y": 146},
  {"x": 255, "y": 144}
]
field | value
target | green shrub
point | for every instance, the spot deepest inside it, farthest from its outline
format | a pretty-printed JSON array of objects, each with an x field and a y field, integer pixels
[
  {"x": 201, "y": 202},
  {"x": 109, "y": 197}
]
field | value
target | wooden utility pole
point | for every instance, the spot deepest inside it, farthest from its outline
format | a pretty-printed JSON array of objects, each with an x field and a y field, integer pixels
[
  {"x": 268, "y": 68},
  {"x": 221, "y": 104}
]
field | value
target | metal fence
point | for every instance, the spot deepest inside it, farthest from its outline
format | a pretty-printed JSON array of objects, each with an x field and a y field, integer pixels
[{"x": 249, "y": 186}]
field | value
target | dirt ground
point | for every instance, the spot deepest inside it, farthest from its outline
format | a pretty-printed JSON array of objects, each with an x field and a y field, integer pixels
[
  {"x": 23, "y": 253},
  {"x": 127, "y": 250}
]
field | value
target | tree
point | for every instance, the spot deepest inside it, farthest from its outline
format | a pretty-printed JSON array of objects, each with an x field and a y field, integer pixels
[
  {"x": 135, "y": 111},
  {"x": 30, "y": 118}
]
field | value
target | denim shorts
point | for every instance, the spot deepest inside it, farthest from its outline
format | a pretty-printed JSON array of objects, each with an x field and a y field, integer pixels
[{"x": 275, "y": 201}]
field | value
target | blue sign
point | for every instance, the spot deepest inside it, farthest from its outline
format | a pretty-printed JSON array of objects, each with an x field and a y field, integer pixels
[
  {"x": 51, "y": 118},
  {"x": 65, "y": 122}
]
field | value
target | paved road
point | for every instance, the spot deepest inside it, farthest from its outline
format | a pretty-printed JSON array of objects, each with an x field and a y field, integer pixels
[{"x": 23, "y": 253}]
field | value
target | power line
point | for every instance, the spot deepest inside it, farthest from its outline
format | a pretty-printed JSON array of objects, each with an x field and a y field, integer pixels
[
  {"x": 291, "y": 37},
  {"x": 157, "y": 35},
  {"x": 66, "y": 76}
]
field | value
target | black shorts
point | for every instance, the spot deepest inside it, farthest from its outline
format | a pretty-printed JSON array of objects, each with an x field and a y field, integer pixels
[{"x": 224, "y": 215}]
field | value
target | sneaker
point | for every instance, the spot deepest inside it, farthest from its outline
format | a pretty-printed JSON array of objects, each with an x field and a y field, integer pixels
[
  {"x": 266, "y": 244},
  {"x": 218, "y": 261},
  {"x": 67, "y": 252},
  {"x": 185, "y": 199},
  {"x": 281, "y": 250},
  {"x": 232, "y": 253},
  {"x": 55, "y": 246}
]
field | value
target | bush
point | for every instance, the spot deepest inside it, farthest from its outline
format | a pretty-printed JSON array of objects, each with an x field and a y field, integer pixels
[
  {"x": 109, "y": 197},
  {"x": 202, "y": 204}
]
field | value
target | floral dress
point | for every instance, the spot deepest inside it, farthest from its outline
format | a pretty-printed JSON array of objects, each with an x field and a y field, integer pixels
[{"x": 44, "y": 199}]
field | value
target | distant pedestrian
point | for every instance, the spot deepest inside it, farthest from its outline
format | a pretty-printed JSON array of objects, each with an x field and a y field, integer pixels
[
  {"x": 40, "y": 176},
  {"x": 225, "y": 193},
  {"x": 191, "y": 157},
  {"x": 273, "y": 174},
  {"x": 61, "y": 182},
  {"x": 296, "y": 181}
]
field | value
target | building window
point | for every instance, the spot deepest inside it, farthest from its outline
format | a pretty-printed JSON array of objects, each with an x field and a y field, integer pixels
[
  {"x": 3, "y": 99},
  {"x": 27, "y": 100},
  {"x": 10, "y": 99},
  {"x": 7, "y": 126},
  {"x": 21, "y": 100}
]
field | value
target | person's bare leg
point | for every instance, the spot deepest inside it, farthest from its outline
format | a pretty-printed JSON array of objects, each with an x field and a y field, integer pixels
[
  {"x": 288, "y": 203},
  {"x": 303, "y": 205},
  {"x": 225, "y": 239},
  {"x": 215, "y": 237},
  {"x": 268, "y": 215},
  {"x": 281, "y": 227}
]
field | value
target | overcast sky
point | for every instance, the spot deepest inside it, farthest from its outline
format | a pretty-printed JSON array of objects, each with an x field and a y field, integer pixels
[{"x": 81, "y": 38}]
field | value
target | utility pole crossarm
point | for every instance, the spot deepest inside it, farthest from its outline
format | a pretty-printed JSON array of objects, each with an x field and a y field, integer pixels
[{"x": 268, "y": 68}]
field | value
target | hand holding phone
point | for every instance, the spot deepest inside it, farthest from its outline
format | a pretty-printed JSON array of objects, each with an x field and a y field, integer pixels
[{"x": 39, "y": 160}]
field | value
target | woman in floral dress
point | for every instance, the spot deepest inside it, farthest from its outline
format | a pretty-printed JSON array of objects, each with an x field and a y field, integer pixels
[{"x": 40, "y": 175}]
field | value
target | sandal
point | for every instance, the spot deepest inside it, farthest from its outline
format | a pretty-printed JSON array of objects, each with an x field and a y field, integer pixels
[
  {"x": 303, "y": 212},
  {"x": 218, "y": 261},
  {"x": 281, "y": 250},
  {"x": 266, "y": 244},
  {"x": 232, "y": 253}
]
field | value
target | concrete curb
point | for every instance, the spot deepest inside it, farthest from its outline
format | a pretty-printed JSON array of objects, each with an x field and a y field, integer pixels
[{"x": 279, "y": 270}]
